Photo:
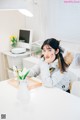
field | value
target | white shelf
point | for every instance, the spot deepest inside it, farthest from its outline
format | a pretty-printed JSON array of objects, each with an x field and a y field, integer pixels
[{"x": 8, "y": 53}]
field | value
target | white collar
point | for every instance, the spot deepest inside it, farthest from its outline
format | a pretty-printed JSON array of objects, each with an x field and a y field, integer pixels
[{"x": 54, "y": 64}]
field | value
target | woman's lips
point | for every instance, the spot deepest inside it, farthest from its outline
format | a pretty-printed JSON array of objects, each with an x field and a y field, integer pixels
[{"x": 46, "y": 57}]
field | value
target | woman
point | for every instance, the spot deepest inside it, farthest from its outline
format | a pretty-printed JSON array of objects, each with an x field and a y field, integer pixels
[{"x": 52, "y": 67}]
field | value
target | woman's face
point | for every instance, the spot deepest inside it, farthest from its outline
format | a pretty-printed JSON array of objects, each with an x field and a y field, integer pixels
[{"x": 49, "y": 53}]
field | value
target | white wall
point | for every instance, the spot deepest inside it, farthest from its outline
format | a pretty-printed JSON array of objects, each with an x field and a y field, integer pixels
[
  {"x": 63, "y": 20},
  {"x": 39, "y": 25},
  {"x": 38, "y": 22},
  {"x": 10, "y": 23}
]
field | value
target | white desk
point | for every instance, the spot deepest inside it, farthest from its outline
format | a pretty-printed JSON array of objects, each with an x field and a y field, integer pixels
[{"x": 45, "y": 104}]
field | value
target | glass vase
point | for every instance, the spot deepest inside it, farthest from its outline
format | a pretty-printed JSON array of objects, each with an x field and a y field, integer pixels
[{"x": 23, "y": 93}]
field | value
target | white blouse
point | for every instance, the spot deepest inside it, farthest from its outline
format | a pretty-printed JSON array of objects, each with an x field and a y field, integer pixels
[{"x": 54, "y": 79}]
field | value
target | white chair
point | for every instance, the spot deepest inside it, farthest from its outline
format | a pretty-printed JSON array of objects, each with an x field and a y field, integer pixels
[{"x": 75, "y": 88}]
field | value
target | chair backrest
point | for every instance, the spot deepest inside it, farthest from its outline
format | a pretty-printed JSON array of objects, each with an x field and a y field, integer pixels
[{"x": 75, "y": 88}]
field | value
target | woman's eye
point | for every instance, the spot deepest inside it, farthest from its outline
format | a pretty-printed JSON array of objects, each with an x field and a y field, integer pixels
[{"x": 50, "y": 49}]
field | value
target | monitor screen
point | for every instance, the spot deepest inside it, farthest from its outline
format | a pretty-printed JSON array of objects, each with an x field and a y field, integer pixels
[{"x": 25, "y": 38}]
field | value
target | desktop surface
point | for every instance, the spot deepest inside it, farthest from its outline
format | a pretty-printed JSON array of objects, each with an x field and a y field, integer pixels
[{"x": 45, "y": 104}]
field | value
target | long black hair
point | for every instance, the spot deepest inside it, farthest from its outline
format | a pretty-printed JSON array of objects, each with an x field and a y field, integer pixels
[{"x": 55, "y": 45}]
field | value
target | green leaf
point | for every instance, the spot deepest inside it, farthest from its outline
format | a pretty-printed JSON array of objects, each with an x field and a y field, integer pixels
[{"x": 26, "y": 74}]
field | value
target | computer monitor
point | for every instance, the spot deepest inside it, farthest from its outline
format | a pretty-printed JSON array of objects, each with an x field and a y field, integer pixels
[{"x": 25, "y": 38}]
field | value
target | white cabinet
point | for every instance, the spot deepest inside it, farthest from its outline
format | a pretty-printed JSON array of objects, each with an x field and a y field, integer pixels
[{"x": 12, "y": 60}]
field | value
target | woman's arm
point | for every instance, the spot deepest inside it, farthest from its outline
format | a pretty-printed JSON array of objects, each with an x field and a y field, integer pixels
[{"x": 34, "y": 71}]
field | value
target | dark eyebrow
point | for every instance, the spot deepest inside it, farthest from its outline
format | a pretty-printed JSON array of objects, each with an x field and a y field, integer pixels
[{"x": 49, "y": 48}]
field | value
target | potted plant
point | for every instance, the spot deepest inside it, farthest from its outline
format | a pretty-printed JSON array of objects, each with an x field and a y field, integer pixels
[{"x": 13, "y": 41}]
